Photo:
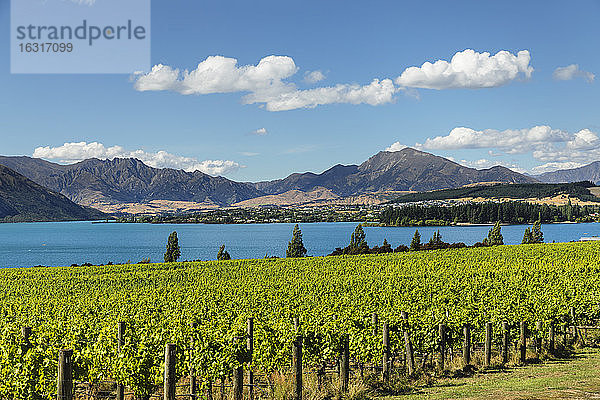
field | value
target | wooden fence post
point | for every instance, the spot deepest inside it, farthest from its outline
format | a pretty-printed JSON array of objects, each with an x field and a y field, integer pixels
[
  {"x": 523, "y": 342},
  {"x": 345, "y": 365},
  {"x": 120, "y": 342},
  {"x": 505, "y": 341},
  {"x": 238, "y": 380},
  {"x": 386, "y": 352},
  {"x": 193, "y": 382},
  {"x": 466, "y": 344},
  {"x": 169, "y": 377},
  {"x": 26, "y": 334},
  {"x": 250, "y": 348},
  {"x": 297, "y": 367},
  {"x": 442, "y": 342},
  {"x": 410, "y": 358},
  {"x": 488, "y": 344},
  {"x": 65, "y": 375}
]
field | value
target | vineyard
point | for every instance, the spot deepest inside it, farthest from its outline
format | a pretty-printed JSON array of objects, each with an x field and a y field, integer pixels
[{"x": 118, "y": 319}]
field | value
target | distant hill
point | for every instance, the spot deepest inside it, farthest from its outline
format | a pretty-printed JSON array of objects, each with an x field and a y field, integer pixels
[
  {"x": 128, "y": 180},
  {"x": 408, "y": 169},
  {"x": 125, "y": 184},
  {"x": 590, "y": 172},
  {"x": 22, "y": 200},
  {"x": 579, "y": 190}
]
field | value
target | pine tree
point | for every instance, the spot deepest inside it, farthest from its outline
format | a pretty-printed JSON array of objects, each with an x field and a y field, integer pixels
[
  {"x": 436, "y": 239},
  {"x": 537, "y": 236},
  {"x": 415, "y": 244},
  {"x": 358, "y": 242},
  {"x": 173, "y": 251},
  {"x": 386, "y": 247},
  {"x": 296, "y": 246},
  {"x": 494, "y": 236},
  {"x": 223, "y": 254},
  {"x": 526, "y": 237}
]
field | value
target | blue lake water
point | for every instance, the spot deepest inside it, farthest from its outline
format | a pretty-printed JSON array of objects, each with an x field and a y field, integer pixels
[{"x": 65, "y": 243}]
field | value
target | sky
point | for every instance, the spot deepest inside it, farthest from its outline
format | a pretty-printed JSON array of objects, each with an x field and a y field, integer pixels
[{"x": 258, "y": 90}]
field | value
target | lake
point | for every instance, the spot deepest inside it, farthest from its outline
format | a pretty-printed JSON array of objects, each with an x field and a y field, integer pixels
[{"x": 65, "y": 243}]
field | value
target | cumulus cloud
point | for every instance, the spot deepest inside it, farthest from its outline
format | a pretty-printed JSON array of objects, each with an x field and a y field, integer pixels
[
  {"x": 219, "y": 74},
  {"x": 469, "y": 70},
  {"x": 554, "y": 166},
  {"x": 571, "y": 72},
  {"x": 313, "y": 76},
  {"x": 260, "y": 132},
  {"x": 75, "y": 152},
  {"x": 268, "y": 85},
  {"x": 396, "y": 146},
  {"x": 376, "y": 93},
  {"x": 557, "y": 149},
  {"x": 510, "y": 140},
  {"x": 265, "y": 84}
]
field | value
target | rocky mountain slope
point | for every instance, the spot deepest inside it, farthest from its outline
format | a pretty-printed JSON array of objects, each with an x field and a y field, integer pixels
[
  {"x": 129, "y": 181},
  {"x": 23, "y": 200},
  {"x": 408, "y": 169},
  {"x": 110, "y": 184}
]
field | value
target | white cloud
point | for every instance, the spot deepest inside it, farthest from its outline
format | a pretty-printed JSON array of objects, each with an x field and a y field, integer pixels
[
  {"x": 571, "y": 72},
  {"x": 75, "y": 152},
  {"x": 85, "y": 2},
  {"x": 510, "y": 140},
  {"x": 484, "y": 163},
  {"x": 249, "y": 153},
  {"x": 265, "y": 84},
  {"x": 260, "y": 132},
  {"x": 313, "y": 76},
  {"x": 557, "y": 149},
  {"x": 396, "y": 146},
  {"x": 219, "y": 74},
  {"x": 469, "y": 70},
  {"x": 376, "y": 93},
  {"x": 554, "y": 166}
]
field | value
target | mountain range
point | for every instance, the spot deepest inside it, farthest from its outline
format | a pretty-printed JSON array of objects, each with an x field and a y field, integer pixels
[
  {"x": 22, "y": 200},
  {"x": 128, "y": 184},
  {"x": 92, "y": 182},
  {"x": 404, "y": 170}
]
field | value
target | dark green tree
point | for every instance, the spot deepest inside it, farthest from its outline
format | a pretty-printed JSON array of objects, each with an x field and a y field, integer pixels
[
  {"x": 358, "y": 242},
  {"x": 415, "y": 244},
  {"x": 386, "y": 247},
  {"x": 494, "y": 236},
  {"x": 436, "y": 239},
  {"x": 296, "y": 246},
  {"x": 537, "y": 236},
  {"x": 526, "y": 237},
  {"x": 173, "y": 251},
  {"x": 223, "y": 254}
]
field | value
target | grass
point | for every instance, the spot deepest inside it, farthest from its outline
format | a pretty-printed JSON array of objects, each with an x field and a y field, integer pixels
[{"x": 576, "y": 378}]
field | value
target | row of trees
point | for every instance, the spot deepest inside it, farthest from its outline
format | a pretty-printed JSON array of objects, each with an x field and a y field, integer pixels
[
  {"x": 510, "y": 212},
  {"x": 358, "y": 243}
]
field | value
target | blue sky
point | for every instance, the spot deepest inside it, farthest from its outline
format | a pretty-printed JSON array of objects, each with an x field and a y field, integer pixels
[{"x": 349, "y": 43}]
